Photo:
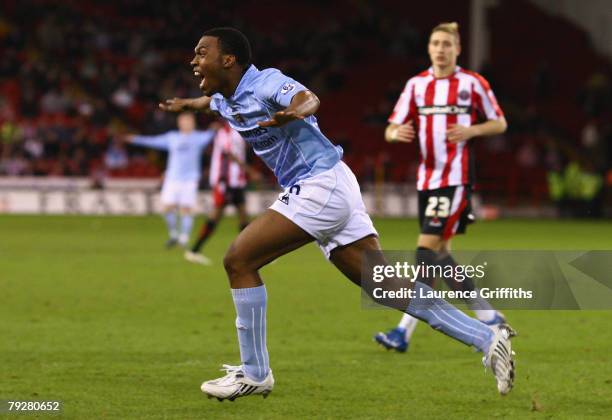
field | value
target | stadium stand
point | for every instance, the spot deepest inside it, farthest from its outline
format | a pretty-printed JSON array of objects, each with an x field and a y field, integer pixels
[{"x": 75, "y": 74}]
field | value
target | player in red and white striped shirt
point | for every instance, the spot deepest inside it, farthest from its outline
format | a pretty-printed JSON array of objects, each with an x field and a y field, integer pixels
[
  {"x": 228, "y": 181},
  {"x": 440, "y": 108}
]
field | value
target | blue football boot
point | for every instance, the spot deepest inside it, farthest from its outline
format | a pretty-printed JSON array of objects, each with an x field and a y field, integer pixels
[{"x": 394, "y": 339}]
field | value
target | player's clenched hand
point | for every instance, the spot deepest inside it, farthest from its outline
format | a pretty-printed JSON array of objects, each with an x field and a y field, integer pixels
[
  {"x": 457, "y": 133},
  {"x": 280, "y": 118},
  {"x": 404, "y": 133}
]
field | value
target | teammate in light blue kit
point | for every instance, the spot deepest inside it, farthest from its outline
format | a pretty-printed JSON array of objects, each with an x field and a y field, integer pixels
[
  {"x": 321, "y": 202},
  {"x": 180, "y": 188}
]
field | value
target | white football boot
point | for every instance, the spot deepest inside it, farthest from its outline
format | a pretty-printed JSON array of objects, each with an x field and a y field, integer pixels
[
  {"x": 236, "y": 384},
  {"x": 500, "y": 358},
  {"x": 197, "y": 258}
]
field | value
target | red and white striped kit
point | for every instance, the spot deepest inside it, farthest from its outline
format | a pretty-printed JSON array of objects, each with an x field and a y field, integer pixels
[
  {"x": 223, "y": 170},
  {"x": 434, "y": 105}
]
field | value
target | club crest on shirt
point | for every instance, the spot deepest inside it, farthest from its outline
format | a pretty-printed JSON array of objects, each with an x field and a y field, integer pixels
[
  {"x": 464, "y": 95},
  {"x": 287, "y": 87},
  {"x": 284, "y": 198},
  {"x": 235, "y": 115}
]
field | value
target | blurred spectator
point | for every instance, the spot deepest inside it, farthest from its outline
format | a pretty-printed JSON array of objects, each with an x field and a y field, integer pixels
[
  {"x": 595, "y": 148},
  {"x": 53, "y": 102},
  {"x": 116, "y": 156}
]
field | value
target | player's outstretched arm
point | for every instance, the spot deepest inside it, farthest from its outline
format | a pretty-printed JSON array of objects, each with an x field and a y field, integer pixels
[
  {"x": 160, "y": 142},
  {"x": 200, "y": 104},
  {"x": 303, "y": 104},
  {"x": 404, "y": 133}
]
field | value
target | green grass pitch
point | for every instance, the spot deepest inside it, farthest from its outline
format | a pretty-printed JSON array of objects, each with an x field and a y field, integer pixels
[{"x": 95, "y": 313}]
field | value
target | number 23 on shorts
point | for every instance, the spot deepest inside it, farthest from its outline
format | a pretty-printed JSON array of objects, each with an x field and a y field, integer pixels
[{"x": 438, "y": 206}]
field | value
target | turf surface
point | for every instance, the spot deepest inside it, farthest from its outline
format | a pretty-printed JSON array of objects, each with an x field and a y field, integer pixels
[{"x": 95, "y": 313}]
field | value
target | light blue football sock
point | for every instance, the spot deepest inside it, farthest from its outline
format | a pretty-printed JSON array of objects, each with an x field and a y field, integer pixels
[
  {"x": 251, "y": 325},
  {"x": 171, "y": 224},
  {"x": 186, "y": 224},
  {"x": 444, "y": 317}
]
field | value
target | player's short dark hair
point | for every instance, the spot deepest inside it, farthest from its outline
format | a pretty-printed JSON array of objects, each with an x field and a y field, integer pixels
[{"x": 233, "y": 42}]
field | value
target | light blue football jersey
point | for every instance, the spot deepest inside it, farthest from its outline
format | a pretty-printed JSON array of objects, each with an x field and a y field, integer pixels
[
  {"x": 293, "y": 151},
  {"x": 184, "y": 152}
]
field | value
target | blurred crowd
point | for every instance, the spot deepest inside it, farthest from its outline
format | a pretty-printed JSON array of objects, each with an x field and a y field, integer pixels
[{"x": 74, "y": 75}]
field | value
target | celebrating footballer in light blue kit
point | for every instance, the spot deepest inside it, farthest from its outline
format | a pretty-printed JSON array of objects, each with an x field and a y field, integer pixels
[
  {"x": 180, "y": 187},
  {"x": 304, "y": 161},
  {"x": 322, "y": 201}
]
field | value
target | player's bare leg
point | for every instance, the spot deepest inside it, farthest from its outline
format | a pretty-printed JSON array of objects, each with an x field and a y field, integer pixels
[
  {"x": 266, "y": 238},
  {"x": 217, "y": 213},
  {"x": 433, "y": 242}
]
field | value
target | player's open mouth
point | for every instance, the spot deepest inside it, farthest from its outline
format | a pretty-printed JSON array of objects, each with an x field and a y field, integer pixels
[{"x": 197, "y": 73}]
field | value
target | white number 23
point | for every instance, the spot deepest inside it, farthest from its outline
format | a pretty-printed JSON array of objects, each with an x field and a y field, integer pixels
[{"x": 437, "y": 207}]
